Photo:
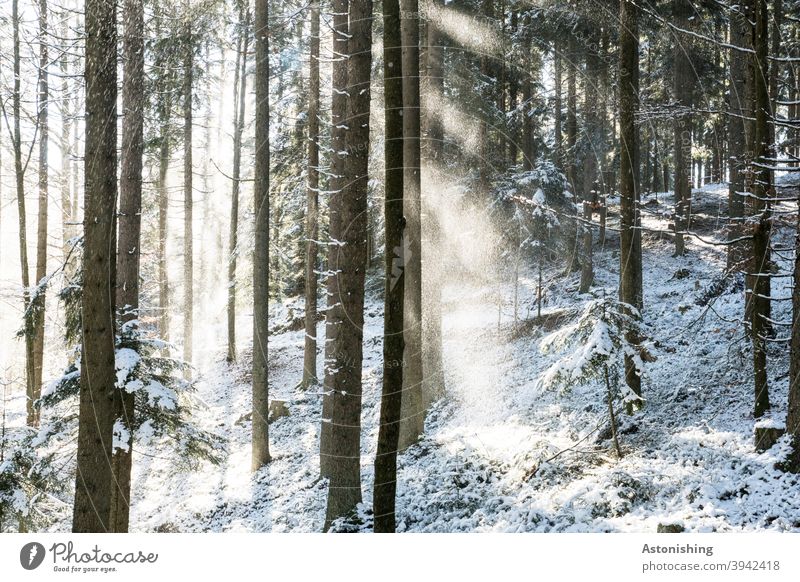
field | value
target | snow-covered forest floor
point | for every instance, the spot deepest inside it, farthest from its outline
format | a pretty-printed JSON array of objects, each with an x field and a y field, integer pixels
[{"x": 501, "y": 453}]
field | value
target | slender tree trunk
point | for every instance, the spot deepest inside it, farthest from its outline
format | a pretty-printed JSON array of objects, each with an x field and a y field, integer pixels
[
  {"x": 65, "y": 145},
  {"x": 570, "y": 161},
  {"x": 393, "y": 342},
  {"x": 19, "y": 173},
  {"x": 683, "y": 83},
  {"x": 188, "y": 193},
  {"x": 774, "y": 27},
  {"x": 513, "y": 91},
  {"x": 344, "y": 492},
  {"x": 129, "y": 243},
  {"x": 93, "y": 486},
  {"x": 312, "y": 206},
  {"x": 630, "y": 289},
  {"x": 760, "y": 215},
  {"x": 163, "y": 210},
  {"x": 793, "y": 415},
  {"x": 38, "y": 307},
  {"x": 739, "y": 109},
  {"x": 240, "y": 99},
  {"x": 261, "y": 454},
  {"x": 333, "y": 317},
  {"x": 593, "y": 149},
  {"x": 413, "y": 413},
  {"x": 557, "y": 87},
  {"x": 527, "y": 96}
]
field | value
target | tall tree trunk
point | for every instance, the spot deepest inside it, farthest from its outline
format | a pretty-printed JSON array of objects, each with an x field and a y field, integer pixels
[
  {"x": 413, "y": 413},
  {"x": 570, "y": 161},
  {"x": 38, "y": 307},
  {"x": 68, "y": 230},
  {"x": 774, "y": 27},
  {"x": 188, "y": 202},
  {"x": 163, "y": 211},
  {"x": 261, "y": 454},
  {"x": 333, "y": 317},
  {"x": 19, "y": 174},
  {"x": 630, "y": 269},
  {"x": 239, "y": 98},
  {"x": 92, "y": 509},
  {"x": 513, "y": 71},
  {"x": 393, "y": 343},
  {"x": 593, "y": 150},
  {"x": 312, "y": 206},
  {"x": 557, "y": 87},
  {"x": 344, "y": 492},
  {"x": 129, "y": 242},
  {"x": 527, "y": 96},
  {"x": 739, "y": 108},
  {"x": 793, "y": 415},
  {"x": 683, "y": 83},
  {"x": 760, "y": 215}
]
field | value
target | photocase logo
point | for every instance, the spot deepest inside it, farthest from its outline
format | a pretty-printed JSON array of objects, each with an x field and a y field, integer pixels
[{"x": 31, "y": 555}]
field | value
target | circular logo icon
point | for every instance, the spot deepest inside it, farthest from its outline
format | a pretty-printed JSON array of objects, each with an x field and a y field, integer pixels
[{"x": 31, "y": 555}]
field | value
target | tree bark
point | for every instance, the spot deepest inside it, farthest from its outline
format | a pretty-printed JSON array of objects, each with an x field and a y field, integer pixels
[
  {"x": 188, "y": 193},
  {"x": 739, "y": 109},
  {"x": 344, "y": 492},
  {"x": 630, "y": 289},
  {"x": 129, "y": 242},
  {"x": 337, "y": 182},
  {"x": 593, "y": 151},
  {"x": 572, "y": 224},
  {"x": 793, "y": 415},
  {"x": 557, "y": 87},
  {"x": 239, "y": 97},
  {"x": 92, "y": 508},
  {"x": 393, "y": 343},
  {"x": 413, "y": 413},
  {"x": 683, "y": 83},
  {"x": 527, "y": 96},
  {"x": 38, "y": 307},
  {"x": 261, "y": 454},
  {"x": 19, "y": 174},
  {"x": 312, "y": 206},
  {"x": 760, "y": 215}
]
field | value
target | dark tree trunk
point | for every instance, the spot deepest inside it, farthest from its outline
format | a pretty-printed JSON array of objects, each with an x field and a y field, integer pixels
[
  {"x": 337, "y": 182},
  {"x": 739, "y": 108},
  {"x": 413, "y": 413},
  {"x": 393, "y": 343},
  {"x": 630, "y": 289},
  {"x": 593, "y": 149},
  {"x": 312, "y": 206},
  {"x": 19, "y": 174},
  {"x": 760, "y": 215},
  {"x": 93, "y": 486},
  {"x": 344, "y": 493},
  {"x": 558, "y": 154},
  {"x": 527, "y": 96},
  {"x": 129, "y": 233},
  {"x": 683, "y": 86},
  {"x": 261, "y": 454},
  {"x": 793, "y": 415},
  {"x": 570, "y": 163}
]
